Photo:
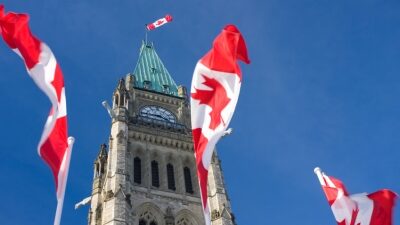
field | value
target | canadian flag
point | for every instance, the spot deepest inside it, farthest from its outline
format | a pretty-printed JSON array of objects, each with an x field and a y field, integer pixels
[
  {"x": 54, "y": 146},
  {"x": 159, "y": 22},
  {"x": 214, "y": 93},
  {"x": 359, "y": 209}
]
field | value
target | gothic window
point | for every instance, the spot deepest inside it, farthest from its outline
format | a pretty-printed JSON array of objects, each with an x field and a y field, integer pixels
[
  {"x": 184, "y": 221},
  {"x": 188, "y": 180},
  {"x": 122, "y": 100},
  {"x": 102, "y": 169},
  {"x": 96, "y": 170},
  {"x": 116, "y": 100},
  {"x": 137, "y": 170},
  {"x": 147, "y": 218},
  {"x": 155, "y": 180},
  {"x": 171, "y": 177}
]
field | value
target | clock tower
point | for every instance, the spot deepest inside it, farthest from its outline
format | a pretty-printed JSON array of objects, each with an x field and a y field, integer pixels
[{"x": 146, "y": 175}]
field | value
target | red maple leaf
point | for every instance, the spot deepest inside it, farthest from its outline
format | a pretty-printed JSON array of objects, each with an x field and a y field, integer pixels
[
  {"x": 353, "y": 218},
  {"x": 159, "y": 22},
  {"x": 216, "y": 98}
]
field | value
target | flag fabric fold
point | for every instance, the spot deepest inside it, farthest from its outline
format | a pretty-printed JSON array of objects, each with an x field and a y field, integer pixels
[
  {"x": 159, "y": 22},
  {"x": 358, "y": 209},
  {"x": 214, "y": 93},
  {"x": 54, "y": 147}
]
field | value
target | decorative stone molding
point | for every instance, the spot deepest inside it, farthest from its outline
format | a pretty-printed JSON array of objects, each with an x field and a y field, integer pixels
[
  {"x": 169, "y": 217},
  {"x": 163, "y": 141},
  {"x": 109, "y": 195},
  {"x": 215, "y": 214},
  {"x": 159, "y": 97},
  {"x": 121, "y": 137}
]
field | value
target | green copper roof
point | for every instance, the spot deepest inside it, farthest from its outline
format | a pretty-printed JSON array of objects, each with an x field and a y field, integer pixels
[{"x": 150, "y": 73}]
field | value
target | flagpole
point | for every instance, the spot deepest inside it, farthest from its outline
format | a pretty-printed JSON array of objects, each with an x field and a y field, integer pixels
[
  {"x": 318, "y": 172},
  {"x": 145, "y": 33},
  {"x": 62, "y": 178}
]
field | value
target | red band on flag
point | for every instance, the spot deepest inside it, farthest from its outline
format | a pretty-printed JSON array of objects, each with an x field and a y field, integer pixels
[
  {"x": 168, "y": 18},
  {"x": 384, "y": 202},
  {"x": 1, "y": 11}
]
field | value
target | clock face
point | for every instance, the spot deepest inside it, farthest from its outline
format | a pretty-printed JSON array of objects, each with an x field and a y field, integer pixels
[{"x": 158, "y": 113}]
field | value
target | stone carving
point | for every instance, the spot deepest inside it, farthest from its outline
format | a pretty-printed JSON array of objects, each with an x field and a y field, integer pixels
[
  {"x": 109, "y": 195},
  {"x": 120, "y": 136},
  {"x": 215, "y": 214},
  {"x": 169, "y": 217}
]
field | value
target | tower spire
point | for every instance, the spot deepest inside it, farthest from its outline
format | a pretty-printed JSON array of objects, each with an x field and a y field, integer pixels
[{"x": 151, "y": 73}]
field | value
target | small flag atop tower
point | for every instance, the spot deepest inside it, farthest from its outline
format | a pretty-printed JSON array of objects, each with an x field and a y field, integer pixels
[{"x": 159, "y": 22}]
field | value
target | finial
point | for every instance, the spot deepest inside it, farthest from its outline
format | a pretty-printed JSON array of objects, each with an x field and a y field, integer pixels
[{"x": 317, "y": 170}]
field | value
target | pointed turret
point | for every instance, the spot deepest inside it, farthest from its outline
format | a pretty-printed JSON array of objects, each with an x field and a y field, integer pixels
[
  {"x": 102, "y": 152},
  {"x": 121, "y": 95},
  {"x": 100, "y": 171},
  {"x": 151, "y": 74},
  {"x": 100, "y": 163}
]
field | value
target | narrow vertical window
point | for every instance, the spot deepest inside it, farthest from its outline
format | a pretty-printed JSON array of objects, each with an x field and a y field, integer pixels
[
  {"x": 116, "y": 100},
  {"x": 96, "y": 170},
  {"x": 155, "y": 181},
  {"x": 137, "y": 170},
  {"x": 171, "y": 177},
  {"x": 188, "y": 180}
]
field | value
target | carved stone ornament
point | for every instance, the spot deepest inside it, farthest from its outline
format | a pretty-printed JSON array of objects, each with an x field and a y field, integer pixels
[
  {"x": 109, "y": 195},
  {"x": 215, "y": 214},
  {"x": 120, "y": 136}
]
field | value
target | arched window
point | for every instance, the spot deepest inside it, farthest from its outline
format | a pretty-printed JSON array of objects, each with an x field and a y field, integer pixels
[
  {"x": 147, "y": 218},
  {"x": 96, "y": 170},
  {"x": 116, "y": 100},
  {"x": 171, "y": 177},
  {"x": 122, "y": 100},
  {"x": 188, "y": 180},
  {"x": 155, "y": 181},
  {"x": 102, "y": 169},
  {"x": 137, "y": 170},
  {"x": 184, "y": 221}
]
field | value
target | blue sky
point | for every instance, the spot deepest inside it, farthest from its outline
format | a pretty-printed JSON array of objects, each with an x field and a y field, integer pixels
[{"x": 322, "y": 90}]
